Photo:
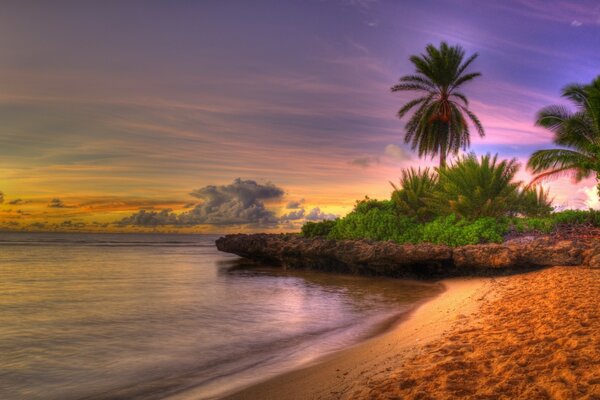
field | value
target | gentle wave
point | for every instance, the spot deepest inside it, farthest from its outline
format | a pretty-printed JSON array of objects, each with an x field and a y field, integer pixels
[{"x": 145, "y": 316}]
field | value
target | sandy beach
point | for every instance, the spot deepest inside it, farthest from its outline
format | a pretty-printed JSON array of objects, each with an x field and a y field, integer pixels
[{"x": 532, "y": 335}]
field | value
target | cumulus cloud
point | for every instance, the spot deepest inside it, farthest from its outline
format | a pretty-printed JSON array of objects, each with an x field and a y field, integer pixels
[
  {"x": 151, "y": 218},
  {"x": 365, "y": 162},
  {"x": 591, "y": 199},
  {"x": 294, "y": 204},
  {"x": 16, "y": 202},
  {"x": 293, "y": 215},
  {"x": 239, "y": 203},
  {"x": 314, "y": 214},
  {"x": 317, "y": 215},
  {"x": 397, "y": 152}
]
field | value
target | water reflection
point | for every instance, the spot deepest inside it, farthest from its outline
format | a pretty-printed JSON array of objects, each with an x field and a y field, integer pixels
[{"x": 144, "y": 316}]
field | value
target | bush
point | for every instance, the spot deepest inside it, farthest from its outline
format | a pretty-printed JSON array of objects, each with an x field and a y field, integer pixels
[
  {"x": 367, "y": 204},
  {"x": 454, "y": 232},
  {"x": 523, "y": 225},
  {"x": 377, "y": 224},
  {"x": 374, "y": 224},
  {"x": 313, "y": 229},
  {"x": 574, "y": 217}
]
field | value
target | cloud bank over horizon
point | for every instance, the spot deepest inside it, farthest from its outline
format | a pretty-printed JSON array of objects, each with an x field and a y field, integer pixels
[{"x": 240, "y": 203}]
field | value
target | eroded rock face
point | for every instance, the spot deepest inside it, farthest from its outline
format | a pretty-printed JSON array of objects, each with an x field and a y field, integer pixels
[
  {"x": 591, "y": 255},
  {"x": 391, "y": 259},
  {"x": 484, "y": 256}
]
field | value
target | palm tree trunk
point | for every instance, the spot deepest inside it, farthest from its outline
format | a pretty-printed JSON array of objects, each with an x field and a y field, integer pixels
[{"x": 443, "y": 158}]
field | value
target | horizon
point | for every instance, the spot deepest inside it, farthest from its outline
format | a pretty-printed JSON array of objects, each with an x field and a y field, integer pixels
[{"x": 114, "y": 113}]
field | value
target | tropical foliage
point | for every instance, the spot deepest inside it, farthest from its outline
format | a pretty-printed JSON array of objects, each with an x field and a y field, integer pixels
[
  {"x": 313, "y": 229},
  {"x": 577, "y": 133},
  {"x": 415, "y": 191},
  {"x": 474, "y": 200},
  {"x": 534, "y": 201},
  {"x": 473, "y": 188},
  {"x": 439, "y": 124}
]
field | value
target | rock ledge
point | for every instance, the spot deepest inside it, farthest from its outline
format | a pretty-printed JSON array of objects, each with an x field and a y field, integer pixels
[{"x": 401, "y": 260}]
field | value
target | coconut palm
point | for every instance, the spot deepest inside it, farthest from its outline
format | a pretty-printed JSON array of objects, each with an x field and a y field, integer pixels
[
  {"x": 439, "y": 124},
  {"x": 578, "y": 133}
]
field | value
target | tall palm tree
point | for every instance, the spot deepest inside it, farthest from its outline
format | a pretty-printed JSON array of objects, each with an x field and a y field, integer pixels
[
  {"x": 439, "y": 123},
  {"x": 578, "y": 133}
]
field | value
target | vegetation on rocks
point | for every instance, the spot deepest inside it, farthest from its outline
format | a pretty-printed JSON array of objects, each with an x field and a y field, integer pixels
[{"x": 474, "y": 200}]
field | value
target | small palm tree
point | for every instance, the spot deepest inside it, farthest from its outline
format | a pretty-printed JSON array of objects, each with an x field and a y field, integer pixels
[
  {"x": 578, "y": 133},
  {"x": 439, "y": 125},
  {"x": 416, "y": 188},
  {"x": 533, "y": 202},
  {"x": 473, "y": 188}
]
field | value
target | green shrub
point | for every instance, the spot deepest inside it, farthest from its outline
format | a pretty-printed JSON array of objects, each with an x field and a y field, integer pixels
[
  {"x": 313, "y": 229},
  {"x": 454, "y": 232},
  {"x": 573, "y": 217},
  {"x": 416, "y": 189},
  {"x": 367, "y": 204},
  {"x": 374, "y": 224},
  {"x": 524, "y": 225}
]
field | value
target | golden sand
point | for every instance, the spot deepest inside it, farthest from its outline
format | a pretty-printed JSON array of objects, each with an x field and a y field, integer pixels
[
  {"x": 527, "y": 336},
  {"x": 538, "y": 338}
]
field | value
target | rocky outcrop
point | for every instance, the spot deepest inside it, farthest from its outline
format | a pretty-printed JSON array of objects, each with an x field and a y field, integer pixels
[{"x": 392, "y": 259}]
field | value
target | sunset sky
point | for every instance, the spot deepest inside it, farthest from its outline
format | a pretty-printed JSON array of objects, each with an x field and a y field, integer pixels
[{"x": 253, "y": 115}]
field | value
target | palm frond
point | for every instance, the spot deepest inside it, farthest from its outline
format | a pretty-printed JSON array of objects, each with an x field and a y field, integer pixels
[
  {"x": 465, "y": 78},
  {"x": 403, "y": 87}
]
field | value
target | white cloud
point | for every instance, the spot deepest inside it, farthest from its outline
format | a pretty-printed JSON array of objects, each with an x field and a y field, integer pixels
[
  {"x": 314, "y": 214},
  {"x": 576, "y": 23},
  {"x": 317, "y": 215},
  {"x": 591, "y": 197}
]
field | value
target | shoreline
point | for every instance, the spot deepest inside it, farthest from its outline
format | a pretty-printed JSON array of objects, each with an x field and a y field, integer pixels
[
  {"x": 336, "y": 374},
  {"x": 424, "y": 260}
]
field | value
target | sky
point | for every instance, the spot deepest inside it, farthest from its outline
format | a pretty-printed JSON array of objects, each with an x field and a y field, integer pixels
[{"x": 217, "y": 116}]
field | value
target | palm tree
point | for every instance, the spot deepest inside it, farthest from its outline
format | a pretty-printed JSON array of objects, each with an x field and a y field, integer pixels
[
  {"x": 439, "y": 125},
  {"x": 578, "y": 133},
  {"x": 416, "y": 187}
]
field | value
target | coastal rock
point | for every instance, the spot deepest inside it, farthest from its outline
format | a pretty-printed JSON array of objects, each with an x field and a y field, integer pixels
[
  {"x": 592, "y": 255},
  {"x": 484, "y": 256},
  {"x": 354, "y": 256},
  {"x": 391, "y": 259},
  {"x": 544, "y": 252}
]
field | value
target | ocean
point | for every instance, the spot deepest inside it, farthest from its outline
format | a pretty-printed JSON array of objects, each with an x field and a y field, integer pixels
[{"x": 152, "y": 316}]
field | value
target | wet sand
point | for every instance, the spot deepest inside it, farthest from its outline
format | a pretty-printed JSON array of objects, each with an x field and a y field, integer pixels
[{"x": 533, "y": 335}]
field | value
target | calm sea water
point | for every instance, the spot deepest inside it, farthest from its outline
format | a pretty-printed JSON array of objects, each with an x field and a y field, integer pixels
[{"x": 107, "y": 316}]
